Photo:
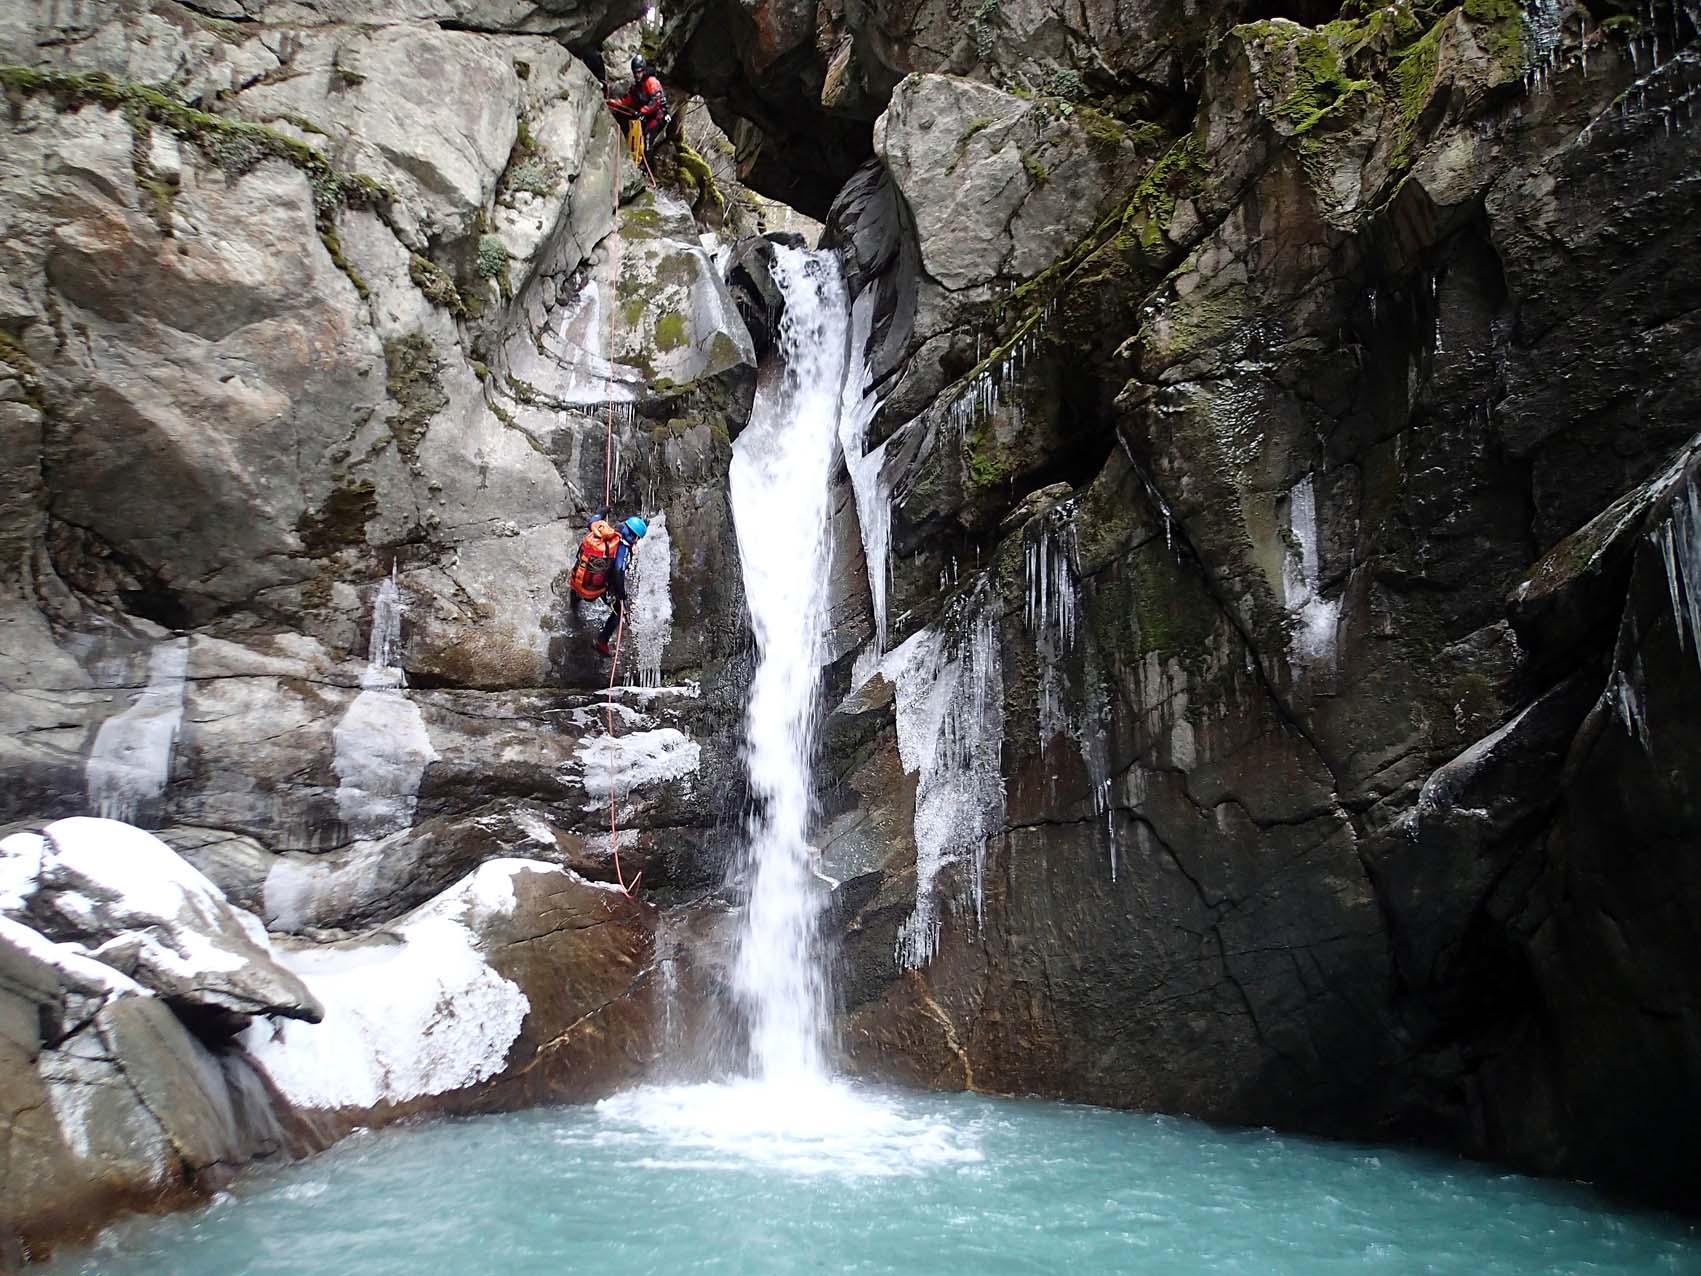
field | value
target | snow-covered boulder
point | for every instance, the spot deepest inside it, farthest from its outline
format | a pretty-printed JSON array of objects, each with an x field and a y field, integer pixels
[
  {"x": 107, "y": 1100},
  {"x": 522, "y": 982},
  {"x": 126, "y": 900}
]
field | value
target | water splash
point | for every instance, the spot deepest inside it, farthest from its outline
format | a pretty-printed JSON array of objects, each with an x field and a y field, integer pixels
[{"x": 780, "y": 476}]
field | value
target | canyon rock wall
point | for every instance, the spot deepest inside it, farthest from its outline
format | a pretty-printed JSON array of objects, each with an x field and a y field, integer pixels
[{"x": 1266, "y": 514}]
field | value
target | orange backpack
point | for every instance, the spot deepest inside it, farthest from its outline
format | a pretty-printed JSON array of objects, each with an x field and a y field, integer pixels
[{"x": 596, "y": 560}]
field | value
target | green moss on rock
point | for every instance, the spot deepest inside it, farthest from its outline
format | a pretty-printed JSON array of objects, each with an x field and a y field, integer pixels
[
  {"x": 236, "y": 146},
  {"x": 414, "y": 385},
  {"x": 435, "y": 284},
  {"x": 492, "y": 258},
  {"x": 670, "y": 331}
]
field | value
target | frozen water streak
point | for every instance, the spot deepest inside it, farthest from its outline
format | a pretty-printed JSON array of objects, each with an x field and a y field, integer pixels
[
  {"x": 950, "y": 720},
  {"x": 131, "y": 759}
]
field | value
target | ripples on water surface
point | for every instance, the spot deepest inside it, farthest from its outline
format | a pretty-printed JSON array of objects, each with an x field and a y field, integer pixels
[{"x": 747, "y": 1179}]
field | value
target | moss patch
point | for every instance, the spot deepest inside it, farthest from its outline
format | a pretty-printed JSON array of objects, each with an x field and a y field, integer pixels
[
  {"x": 670, "y": 331},
  {"x": 1321, "y": 89},
  {"x": 18, "y": 363},
  {"x": 334, "y": 246},
  {"x": 340, "y": 522},
  {"x": 412, "y": 380},
  {"x": 236, "y": 146},
  {"x": 435, "y": 284}
]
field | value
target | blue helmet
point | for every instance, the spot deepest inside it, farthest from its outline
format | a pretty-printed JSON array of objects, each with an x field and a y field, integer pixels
[{"x": 635, "y": 527}]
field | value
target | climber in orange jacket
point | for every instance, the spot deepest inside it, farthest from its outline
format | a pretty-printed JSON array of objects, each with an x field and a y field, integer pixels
[
  {"x": 600, "y": 571},
  {"x": 646, "y": 99}
]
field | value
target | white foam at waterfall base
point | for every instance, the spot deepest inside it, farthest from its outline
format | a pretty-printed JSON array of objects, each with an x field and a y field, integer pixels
[
  {"x": 802, "y": 1126},
  {"x": 652, "y": 601},
  {"x": 131, "y": 759},
  {"x": 779, "y": 479}
]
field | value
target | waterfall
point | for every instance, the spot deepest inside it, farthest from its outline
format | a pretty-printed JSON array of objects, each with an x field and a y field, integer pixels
[{"x": 781, "y": 470}]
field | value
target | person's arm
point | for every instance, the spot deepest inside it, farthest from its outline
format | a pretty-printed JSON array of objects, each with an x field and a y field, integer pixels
[{"x": 658, "y": 99}]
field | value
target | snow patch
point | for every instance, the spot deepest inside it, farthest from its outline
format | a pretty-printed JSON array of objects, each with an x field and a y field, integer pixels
[
  {"x": 20, "y": 865},
  {"x": 636, "y": 760},
  {"x": 70, "y": 960},
  {"x": 412, "y": 1012}
]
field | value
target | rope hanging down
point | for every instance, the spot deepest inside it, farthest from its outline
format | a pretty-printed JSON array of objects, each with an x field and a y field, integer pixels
[{"x": 607, "y": 498}]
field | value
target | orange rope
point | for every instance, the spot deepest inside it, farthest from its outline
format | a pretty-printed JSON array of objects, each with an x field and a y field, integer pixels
[
  {"x": 607, "y": 498},
  {"x": 608, "y": 707}
]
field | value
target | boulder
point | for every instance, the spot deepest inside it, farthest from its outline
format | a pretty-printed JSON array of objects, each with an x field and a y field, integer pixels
[
  {"x": 520, "y": 984},
  {"x": 112, "y": 1102},
  {"x": 127, "y": 900}
]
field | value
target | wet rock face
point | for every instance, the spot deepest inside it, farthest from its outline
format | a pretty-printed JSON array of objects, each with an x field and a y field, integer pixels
[
  {"x": 1322, "y": 525},
  {"x": 346, "y": 395},
  {"x": 313, "y": 372},
  {"x": 805, "y": 80}
]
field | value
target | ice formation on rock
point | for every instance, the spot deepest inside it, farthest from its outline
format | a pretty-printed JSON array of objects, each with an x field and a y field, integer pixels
[
  {"x": 652, "y": 602},
  {"x": 1312, "y": 643},
  {"x": 131, "y": 759},
  {"x": 382, "y": 745},
  {"x": 950, "y": 720}
]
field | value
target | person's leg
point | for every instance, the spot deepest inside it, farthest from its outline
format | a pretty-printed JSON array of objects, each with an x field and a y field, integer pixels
[{"x": 616, "y": 608}]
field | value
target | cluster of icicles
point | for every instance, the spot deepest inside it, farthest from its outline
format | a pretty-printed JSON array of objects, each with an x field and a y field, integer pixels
[{"x": 987, "y": 389}]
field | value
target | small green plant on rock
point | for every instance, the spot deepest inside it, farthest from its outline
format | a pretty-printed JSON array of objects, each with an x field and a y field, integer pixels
[
  {"x": 493, "y": 258},
  {"x": 1066, "y": 84},
  {"x": 532, "y": 177}
]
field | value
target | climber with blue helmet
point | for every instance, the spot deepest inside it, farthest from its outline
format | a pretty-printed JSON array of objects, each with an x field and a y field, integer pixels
[{"x": 600, "y": 571}]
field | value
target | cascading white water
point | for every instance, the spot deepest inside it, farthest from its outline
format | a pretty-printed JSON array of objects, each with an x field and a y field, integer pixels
[
  {"x": 781, "y": 470},
  {"x": 791, "y": 1111}
]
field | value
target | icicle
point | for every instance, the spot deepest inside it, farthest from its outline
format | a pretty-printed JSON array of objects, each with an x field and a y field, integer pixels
[{"x": 950, "y": 719}]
